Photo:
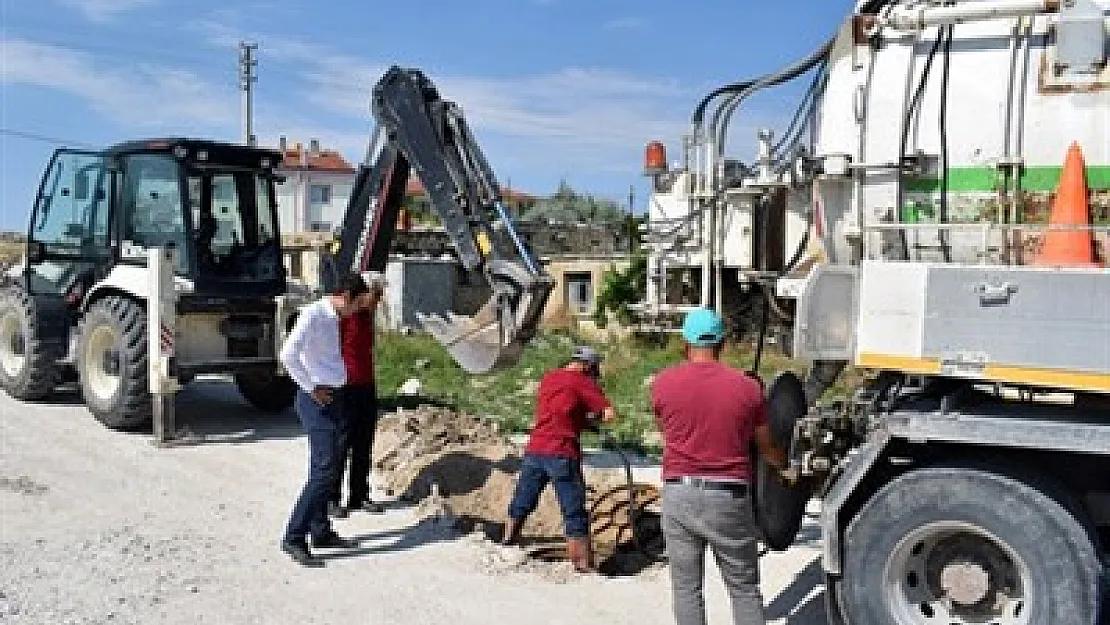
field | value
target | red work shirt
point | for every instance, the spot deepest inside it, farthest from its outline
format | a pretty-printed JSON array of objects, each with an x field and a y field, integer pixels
[
  {"x": 563, "y": 400},
  {"x": 357, "y": 335},
  {"x": 708, "y": 413}
]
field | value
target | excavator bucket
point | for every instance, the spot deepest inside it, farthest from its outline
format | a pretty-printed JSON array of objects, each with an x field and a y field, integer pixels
[
  {"x": 476, "y": 342},
  {"x": 494, "y": 337}
]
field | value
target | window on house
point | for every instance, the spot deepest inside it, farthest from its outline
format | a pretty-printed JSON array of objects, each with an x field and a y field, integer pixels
[
  {"x": 319, "y": 194},
  {"x": 580, "y": 293},
  {"x": 319, "y": 226}
]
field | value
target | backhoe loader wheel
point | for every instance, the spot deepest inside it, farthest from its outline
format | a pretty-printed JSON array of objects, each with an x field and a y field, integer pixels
[
  {"x": 956, "y": 545},
  {"x": 27, "y": 368},
  {"x": 267, "y": 392},
  {"x": 112, "y": 363}
]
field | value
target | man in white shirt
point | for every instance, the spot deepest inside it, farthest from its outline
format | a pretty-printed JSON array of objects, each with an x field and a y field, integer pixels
[{"x": 313, "y": 358}]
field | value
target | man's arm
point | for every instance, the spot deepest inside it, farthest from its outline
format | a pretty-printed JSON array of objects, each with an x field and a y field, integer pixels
[
  {"x": 597, "y": 403},
  {"x": 767, "y": 447},
  {"x": 291, "y": 352}
]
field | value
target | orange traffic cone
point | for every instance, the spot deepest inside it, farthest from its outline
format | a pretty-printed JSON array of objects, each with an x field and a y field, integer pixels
[{"x": 1069, "y": 247}]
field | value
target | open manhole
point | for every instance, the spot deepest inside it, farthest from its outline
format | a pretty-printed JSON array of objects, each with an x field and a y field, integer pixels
[{"x": 625, "y": 531}]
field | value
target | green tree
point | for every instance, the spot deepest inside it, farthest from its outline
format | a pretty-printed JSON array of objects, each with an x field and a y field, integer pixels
[{"x": 620, "y": 289}]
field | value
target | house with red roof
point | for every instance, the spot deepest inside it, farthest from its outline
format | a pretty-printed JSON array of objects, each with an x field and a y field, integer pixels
[{"x": 317, "y": 185}]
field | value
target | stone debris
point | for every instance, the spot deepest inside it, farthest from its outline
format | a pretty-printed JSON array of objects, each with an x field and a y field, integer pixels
[
  {"x": 410, "y": 388},
  {"x": 460, "y": 470}
]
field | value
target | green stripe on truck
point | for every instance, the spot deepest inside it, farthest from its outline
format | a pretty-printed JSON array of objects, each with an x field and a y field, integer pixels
[{"x": 986, "y": 180}]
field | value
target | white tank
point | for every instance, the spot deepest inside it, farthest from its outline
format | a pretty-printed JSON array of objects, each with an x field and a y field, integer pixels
[
  {"x": 1011, "y": 111},
  {"x": 1008, "y": 110}
]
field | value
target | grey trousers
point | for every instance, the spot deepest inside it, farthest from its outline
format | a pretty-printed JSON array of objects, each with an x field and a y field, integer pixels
[{"x": 694, "y": 518}]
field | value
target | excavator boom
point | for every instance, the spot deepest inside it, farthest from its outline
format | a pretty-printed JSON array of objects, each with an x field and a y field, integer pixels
[{"x": 419, "y": 132}]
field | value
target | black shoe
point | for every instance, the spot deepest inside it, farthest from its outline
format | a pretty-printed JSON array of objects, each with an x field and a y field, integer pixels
[
  {"x": 337, "y": 511},
  {"x": 334, "y": 541},
  {"x": 368, "y": 506},
  {"x": 300, "y": 554}
]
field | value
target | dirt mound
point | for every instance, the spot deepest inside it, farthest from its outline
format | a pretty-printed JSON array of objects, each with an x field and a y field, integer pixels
[{"x": 460, "y": 469}]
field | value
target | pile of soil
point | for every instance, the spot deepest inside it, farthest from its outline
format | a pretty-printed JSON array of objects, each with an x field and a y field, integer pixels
[{"x": 460, "y": 470}]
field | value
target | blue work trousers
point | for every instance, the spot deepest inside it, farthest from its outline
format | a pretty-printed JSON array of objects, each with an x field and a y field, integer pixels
[
  {"x": 565, "y": 474},
  {"x": 324, "y": 426}
]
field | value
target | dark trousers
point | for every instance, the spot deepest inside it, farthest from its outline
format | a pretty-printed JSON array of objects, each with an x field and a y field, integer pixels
[
  {"x": 565, "y": 474},
  {"x": 323, "y": 424},
  {"x": 360, "y": 421},
  {"x": 695, "y": 519}
]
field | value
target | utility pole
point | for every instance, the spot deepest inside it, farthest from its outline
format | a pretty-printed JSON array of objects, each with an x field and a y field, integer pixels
[
  {"x": 247, "y": 78},
  {"x": 630, "y": 221}
]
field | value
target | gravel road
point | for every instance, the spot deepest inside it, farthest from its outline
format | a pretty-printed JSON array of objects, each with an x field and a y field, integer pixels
[{"x": 102, "y": 527}]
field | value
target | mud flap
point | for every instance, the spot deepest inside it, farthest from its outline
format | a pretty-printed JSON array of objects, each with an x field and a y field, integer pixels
[{"x": 779, "y": 509}]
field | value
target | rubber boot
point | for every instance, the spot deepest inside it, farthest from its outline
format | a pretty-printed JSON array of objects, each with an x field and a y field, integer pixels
[
  {"x": 581, "y": 554},
  {"x": 510, "y": 532}
]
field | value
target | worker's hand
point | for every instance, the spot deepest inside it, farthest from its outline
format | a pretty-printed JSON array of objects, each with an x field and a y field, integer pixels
[
  {"x": 322, "y": 395},
  {"x": 789, "y": 477}
]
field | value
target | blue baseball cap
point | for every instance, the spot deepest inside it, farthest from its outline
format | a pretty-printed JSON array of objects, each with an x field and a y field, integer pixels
[{"x": 703, "y": 328}]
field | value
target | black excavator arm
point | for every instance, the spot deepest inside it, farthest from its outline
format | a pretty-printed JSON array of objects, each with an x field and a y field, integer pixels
[{"x": 421, "y": 133}]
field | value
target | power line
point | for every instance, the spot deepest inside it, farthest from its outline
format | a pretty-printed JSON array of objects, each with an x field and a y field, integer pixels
[{"x": 21, "y": 134}]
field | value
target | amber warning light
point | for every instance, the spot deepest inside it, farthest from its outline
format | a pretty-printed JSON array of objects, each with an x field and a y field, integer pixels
[{"x": 655, "y": 159}]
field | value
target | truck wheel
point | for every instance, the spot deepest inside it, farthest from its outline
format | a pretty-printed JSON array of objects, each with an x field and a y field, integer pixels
[
  {"x": 961, "y": 545},
  {"x": 28, "y": 371},
  {"x": 112, "y": 363},
  {"x": 266, "y": 391}
]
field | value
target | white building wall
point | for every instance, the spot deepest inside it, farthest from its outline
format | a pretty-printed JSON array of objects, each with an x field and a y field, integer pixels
[{"x": 294, "y": 207}]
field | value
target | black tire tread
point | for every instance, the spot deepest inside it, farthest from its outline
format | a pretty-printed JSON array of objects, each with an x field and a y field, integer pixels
[
  {"x": 133, "y": 407},
  {"x": 266, "y": 394},
  {"x": 41, "y": 374},
  {"x": 896, "y": 501}
]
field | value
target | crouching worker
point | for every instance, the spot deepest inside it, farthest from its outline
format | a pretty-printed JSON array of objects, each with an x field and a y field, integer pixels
[
  {"x": 565, "y": 399},
  {"x": 313, "y": 358}
]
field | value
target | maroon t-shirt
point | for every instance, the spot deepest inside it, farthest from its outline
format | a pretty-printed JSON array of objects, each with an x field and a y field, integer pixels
[
  {"x": 563, "y": 400},
  {"x": 708, "y": 413},
  {"x": 357, "y": 335}
]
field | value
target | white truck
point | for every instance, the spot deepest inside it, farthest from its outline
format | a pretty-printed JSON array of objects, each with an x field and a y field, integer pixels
[{"x": 914, "y": 220}]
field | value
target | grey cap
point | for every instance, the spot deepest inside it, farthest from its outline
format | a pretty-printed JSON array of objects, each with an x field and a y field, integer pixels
[{"x": 587, "y": 354}]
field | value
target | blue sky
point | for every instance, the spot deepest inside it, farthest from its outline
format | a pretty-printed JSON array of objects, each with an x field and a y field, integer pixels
[{"x": 554, "y": 89}]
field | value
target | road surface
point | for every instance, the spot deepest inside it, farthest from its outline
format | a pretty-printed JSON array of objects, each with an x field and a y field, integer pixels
[{"x": 102, "y": 527}]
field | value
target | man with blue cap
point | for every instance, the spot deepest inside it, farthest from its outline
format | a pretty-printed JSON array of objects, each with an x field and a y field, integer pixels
[{"x": 709, "y": 414}]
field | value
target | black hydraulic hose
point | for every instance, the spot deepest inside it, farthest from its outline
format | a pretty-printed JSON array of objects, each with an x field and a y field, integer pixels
[
  {"x": 738, "y": 88},
  {"x": 873, "y": 6},
  {"x": 724, "y": 112},
  {"x": 699, "y": 112},
  {"x": 763, "y": 325},
  {"x": 944, "y": 180},
  {"x": 907, "y": 119},
  {"x": 633, "y": 509},
  {"x": 805, "y": 110}
]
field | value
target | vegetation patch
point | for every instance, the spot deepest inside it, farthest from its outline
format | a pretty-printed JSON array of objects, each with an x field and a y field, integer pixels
[{"x": 508, "y": 396}]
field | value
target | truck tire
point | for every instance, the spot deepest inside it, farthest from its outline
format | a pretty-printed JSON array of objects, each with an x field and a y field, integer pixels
[
  {"x": 28, "y": 369},
  {"x": 958, "y": 545},
  {"x": 112, "y": 363},
  {"x": 267, "y": 392}
]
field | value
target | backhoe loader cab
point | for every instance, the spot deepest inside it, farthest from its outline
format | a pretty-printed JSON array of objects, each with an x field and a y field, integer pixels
[{"x": 80, "y": 305}]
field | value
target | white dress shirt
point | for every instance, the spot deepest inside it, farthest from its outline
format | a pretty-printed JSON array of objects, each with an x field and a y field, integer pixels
[{"x": 312, "y": 354}]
